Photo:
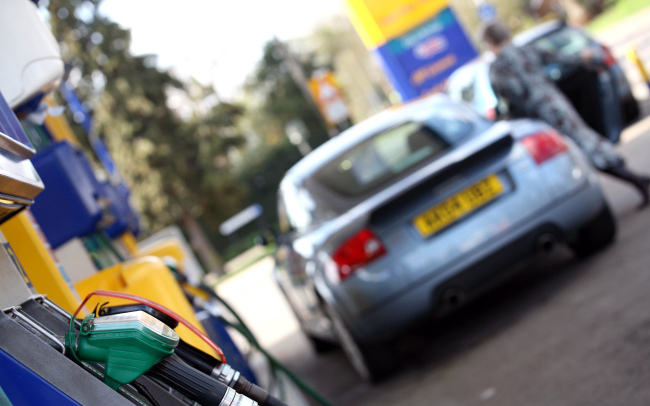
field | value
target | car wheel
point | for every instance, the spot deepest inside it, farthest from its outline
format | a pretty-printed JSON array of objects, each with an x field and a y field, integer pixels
[
  {"x": 319, "y": 345},
  {"x": 631, "y": 110},
  {"x": 372, "y": 361},
  {"x": 596, "y": 235}
]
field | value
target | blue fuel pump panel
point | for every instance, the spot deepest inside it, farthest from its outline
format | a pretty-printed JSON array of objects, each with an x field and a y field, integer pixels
[
  {"x": 19, "y": 181},
  {"x": 125, "y": 218},
  {"x": 70, "y": 205},
  {"x": 132, "y": 215},
  {"x": 16, "y": 377},
  {"x": 12, "y": 136}
]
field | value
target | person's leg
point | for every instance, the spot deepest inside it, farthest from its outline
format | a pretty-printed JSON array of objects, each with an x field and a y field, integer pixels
[
  {"x": 603, "y": 155},
  {"x": 601, "y": 152},
  {"x": 642, "y": 183}
]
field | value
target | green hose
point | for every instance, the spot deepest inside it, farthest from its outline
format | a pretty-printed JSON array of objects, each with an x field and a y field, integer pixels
[
  {"x": 243, "y": 329},
  {"x": 108, "y": 243},
  {"x": 100, "y": 247},
  {"x": 313, "y": 393},
  {"x": 94, "y": 253}
]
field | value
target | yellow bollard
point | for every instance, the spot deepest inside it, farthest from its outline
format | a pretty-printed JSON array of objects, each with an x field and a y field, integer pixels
[{"x": 633, "y": 56}]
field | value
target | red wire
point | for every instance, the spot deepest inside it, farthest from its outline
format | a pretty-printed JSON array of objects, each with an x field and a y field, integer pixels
[{"x": 158, "y": 307}]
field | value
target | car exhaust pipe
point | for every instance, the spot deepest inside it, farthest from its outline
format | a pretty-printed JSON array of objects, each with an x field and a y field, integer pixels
[
  {"x": 453, "y": 298},
  {"x": 546, "y": 242}
]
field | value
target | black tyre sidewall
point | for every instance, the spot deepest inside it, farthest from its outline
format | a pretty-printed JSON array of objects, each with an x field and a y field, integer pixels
[
  {"x": 596, "y": 235},
  {"x": 631, "y": 110},
  {"x": 372, "y": 361}
]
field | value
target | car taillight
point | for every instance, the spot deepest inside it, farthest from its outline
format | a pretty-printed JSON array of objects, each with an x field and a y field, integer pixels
[
  {"x": 544, "y": 145},
  {"x": 358, "y": 250},
  {"x": 609, "y": 59},
  {"x": 491, "y": 113}
]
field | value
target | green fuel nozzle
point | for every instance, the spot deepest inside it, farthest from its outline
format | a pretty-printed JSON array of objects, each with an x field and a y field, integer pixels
[{"x": 128, "y": 344}]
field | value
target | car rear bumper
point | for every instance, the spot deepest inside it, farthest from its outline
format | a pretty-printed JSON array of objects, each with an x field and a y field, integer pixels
[{"x": 488, "y": 264}]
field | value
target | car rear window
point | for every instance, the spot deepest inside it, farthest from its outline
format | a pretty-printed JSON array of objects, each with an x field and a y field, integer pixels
[
  {"x": 296, "y": 208},
  {"x": 567, "y": 41},
  {"x": 384, "y": 157}
]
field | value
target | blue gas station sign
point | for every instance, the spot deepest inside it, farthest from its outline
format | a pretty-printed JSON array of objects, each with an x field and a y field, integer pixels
[{"x": 419, "y": 61}]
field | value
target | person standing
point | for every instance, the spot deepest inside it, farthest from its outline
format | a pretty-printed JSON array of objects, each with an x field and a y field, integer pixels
[{"x": 517, "y": 75}]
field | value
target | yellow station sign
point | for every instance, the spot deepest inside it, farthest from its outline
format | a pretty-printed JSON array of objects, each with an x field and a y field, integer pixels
[{"x": 379, "y": 21}]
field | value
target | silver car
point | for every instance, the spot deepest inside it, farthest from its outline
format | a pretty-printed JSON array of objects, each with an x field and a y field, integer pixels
[{"x": 413, "y": 211}]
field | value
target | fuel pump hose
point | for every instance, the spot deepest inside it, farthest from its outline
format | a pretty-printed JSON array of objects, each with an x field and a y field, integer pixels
[
  {"x": 246, "y": 332},
  {"x": 225, "y": 374},
  {"x": 196, "y": 385}
]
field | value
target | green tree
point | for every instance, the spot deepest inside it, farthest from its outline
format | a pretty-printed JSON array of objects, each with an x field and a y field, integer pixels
[
  {"x": 336, "y": 43},
  {"x": 178, "y": 170},
  {"x": 282, "y": 98},
  {"x": 273, "y": 100}
]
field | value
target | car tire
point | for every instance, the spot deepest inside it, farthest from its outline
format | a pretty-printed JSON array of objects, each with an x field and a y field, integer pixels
[
  {"x": 596, "y": 235},
  {"x": 372, "y": 361},
  {"x": 321, "y": 346},
  {"x": 631, "y": 110}
]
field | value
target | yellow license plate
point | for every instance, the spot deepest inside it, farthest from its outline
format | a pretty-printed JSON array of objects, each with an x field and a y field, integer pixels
[{"x": 452, "y": 209}]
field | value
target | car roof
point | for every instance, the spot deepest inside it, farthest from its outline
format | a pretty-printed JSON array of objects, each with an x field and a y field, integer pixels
[
  {"x": 536, "y": 32},
  {"x": 417, "y": 110}
]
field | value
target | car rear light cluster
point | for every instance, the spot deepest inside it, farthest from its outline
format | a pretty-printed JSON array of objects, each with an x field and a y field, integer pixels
[
  {"x": 491, "y": 113},
  {"x": 609, "y": 59},
  {"x": 358, "y": 250},
  {"x": 544, "y": 145}
]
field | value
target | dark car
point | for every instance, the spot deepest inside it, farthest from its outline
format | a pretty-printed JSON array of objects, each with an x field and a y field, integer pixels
[{"x": 603, "y": 98}]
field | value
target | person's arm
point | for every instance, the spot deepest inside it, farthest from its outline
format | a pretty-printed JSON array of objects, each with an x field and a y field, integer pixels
[
  {"x": 508, "y": 89},
  {"x": 507, "y": 84}
]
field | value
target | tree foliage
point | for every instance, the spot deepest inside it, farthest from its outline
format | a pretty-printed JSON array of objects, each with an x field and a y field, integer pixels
[
  {"x": 274, "y": 99},
  {"x": 282, "y": 98},
  {"x": 176, "y": 167}
]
